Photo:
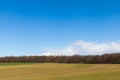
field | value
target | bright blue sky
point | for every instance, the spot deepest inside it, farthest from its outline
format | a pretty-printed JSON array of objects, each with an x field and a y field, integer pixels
[{"x": 28, "y": 26}]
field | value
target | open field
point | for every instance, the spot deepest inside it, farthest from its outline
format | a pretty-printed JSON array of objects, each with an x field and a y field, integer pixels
[{"x": 51, "y": 71}]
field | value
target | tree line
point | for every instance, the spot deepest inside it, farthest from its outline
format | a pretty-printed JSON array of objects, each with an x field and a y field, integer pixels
[{"x": 113, "y": 58}]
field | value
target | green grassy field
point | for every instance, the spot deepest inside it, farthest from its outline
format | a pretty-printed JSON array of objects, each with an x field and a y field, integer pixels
[{"x": 50, "y": 71}]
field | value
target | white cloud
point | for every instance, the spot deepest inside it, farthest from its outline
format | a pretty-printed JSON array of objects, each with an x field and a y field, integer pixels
[{"x": 85, "y": 48}]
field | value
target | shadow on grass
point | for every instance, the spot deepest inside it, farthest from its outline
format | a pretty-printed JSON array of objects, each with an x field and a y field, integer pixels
[{"x": 17, "y": 63}]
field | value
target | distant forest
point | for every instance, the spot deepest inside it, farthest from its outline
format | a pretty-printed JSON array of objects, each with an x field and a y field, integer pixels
[{"x": 113, "y": 58}]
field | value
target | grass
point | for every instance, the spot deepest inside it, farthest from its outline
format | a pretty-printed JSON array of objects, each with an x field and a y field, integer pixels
[
  {"x": 20, "y": 63},
  {"x": 52, "y": 71}
]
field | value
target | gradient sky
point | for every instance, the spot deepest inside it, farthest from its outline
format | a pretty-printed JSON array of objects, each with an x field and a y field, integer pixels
[{"x": 29, "y": 26}]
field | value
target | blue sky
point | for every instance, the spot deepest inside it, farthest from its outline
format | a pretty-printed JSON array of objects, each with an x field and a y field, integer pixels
[{"x": 29, "y": 26}]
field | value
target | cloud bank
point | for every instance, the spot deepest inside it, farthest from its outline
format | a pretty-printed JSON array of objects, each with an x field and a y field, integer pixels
[{"x": 85, "y": 48}]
